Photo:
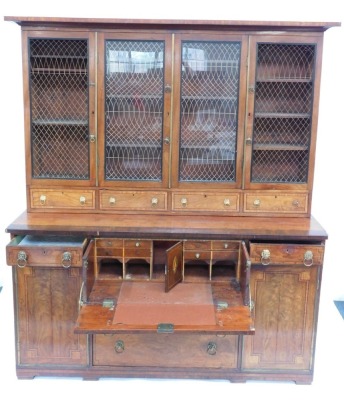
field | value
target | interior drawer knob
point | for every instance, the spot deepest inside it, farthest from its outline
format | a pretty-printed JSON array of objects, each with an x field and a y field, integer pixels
[
  {"x": 119, "y": 346},
  {"x": 155, "y": 201},
  {"x": 112, "y": 201},
  {"x": 66, "y": 259},
  {"x": 265, "y": 257},
  {"x": 256, "y": 203},
  {"x": 226, "y": 202},
  {"x": 82, "y": 200},
  {"x": 197, "y": 255},
  {"x": 308, "y": 258},
  {"x": 42, "y": 199},
  {"x": 21, "y": 259},
  {"x": 211, "y": 348}
]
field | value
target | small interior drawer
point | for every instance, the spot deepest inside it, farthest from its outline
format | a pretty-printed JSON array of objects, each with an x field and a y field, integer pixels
[
  {"x": 137, "y": 244},
  {"x": 197, "y": 245},
  {"x": 108, "y": 243},
  {"x": 46, "y": 251}
]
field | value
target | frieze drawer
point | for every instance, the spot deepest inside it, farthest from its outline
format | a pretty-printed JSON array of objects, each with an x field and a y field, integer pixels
[
  {"x": 64, "y": 199},
  {"x": 286, "y": 254},
  {"x": 133, "y": 200},
  {"x": 276, "y": 202},
  {"x": 165, "y": 350},
  {"x": 45, "y": 251}
]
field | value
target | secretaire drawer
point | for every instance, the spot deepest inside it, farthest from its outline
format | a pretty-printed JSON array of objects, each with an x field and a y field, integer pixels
[
  {"x": 165, "y": 350},
  {"x": 300, "y": 254},
  {"x": 54, "y": 198},
  {"x": 46, "y": 251},
  {"x": 277, "y": 202}
]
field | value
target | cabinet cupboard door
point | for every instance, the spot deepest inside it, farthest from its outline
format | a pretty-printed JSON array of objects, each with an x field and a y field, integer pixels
[
  {"x": 60, "y": 122},
  {"x": 208, "y": 109},
  {"x": 47, "y": 308},
  {"x": 284, "y": 317},
  {"x": 283, "y": 97},
  {"x": 134, "y": 78}
]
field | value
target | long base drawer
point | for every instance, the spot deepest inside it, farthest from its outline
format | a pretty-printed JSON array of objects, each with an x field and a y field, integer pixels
[{"x": 165, "y": 350}]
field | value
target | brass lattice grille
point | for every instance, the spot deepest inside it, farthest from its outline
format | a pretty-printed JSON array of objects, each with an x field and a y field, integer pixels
[
  {"x": 209, "y": 107},
  {"x": 134, "y": 110},
  {"x": 283, "y": 112},
  {"x": 59, "y": 108}
]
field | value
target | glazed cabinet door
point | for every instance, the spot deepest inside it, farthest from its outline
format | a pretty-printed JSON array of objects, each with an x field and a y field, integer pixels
[
  {"x": 208, "y": 110},
  {"x": 283, "y": 96},
  {"x": 284, "y": 300},
  {"x": 59, "y": 94},
  {"x": 46, "y": 311},
  {"x": 134, "y": 78}
]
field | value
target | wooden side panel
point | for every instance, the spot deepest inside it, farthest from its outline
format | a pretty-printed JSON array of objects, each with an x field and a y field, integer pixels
[
  {"x": 284, "y": 314},
  {"x": 47, "y": 308}
]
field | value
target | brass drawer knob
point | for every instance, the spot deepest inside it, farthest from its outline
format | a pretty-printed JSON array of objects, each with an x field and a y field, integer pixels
[
  {"x": 256, "y": 203},
  {"x": 226, "y": 202},
  {"x": 155, "y": 201},
  {"x": 66, "y": 259},
  {"x": 82, "y": 200},
  {"x": 119, "y": 346},
  {"x": 21, "y": 259},
  {"x": 211, "y": 348},
  {"x": 42, "y": 199},
  {"x": 265, "y": 257},
  {"x": 225, "y": 245},
  {"x": 197, "y": 255},
  {"x": 112, "y": 201},
  {"x": 137, "y": 244},
  {"x": 308, "y": 258},
  {"x": 184, "y": 201},
  {"x": 295, "y": 203}
]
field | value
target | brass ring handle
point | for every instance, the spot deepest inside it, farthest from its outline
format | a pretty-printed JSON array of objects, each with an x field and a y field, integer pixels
[
  {"x": 42, "y": 199},
  {"x": 119, "y": 346},
  {"x": 184, "y": 201},
  {"x": 265, "y": 257},
  {"x": 82, "y": 200},
  {"x": 66, "y": 259},
  {"x": 308, "y": 258},
  {"x": 21, "y": 259},
  {"x": 211, "y": 348},
  {"x": 155, "y": 201}
]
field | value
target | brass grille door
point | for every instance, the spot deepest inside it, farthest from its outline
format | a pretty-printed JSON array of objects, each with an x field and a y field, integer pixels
[
  {"x": 59, "y": 75},
  {"x": 133, "y": 110},
  {"x": 210, "y": 71},
  {"x": 279, "y": 130}
]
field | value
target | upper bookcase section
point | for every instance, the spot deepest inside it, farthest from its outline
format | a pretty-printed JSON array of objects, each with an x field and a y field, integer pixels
[{"x": 111, "y": 23}]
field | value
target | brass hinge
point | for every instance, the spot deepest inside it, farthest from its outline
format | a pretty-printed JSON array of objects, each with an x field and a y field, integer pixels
[
  {"x": 109, "y": 303},
  {"x": 165, "y": 328}
]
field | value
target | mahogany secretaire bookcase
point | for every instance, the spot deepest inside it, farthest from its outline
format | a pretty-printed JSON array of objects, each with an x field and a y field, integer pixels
[{"x": 169, "y": 172}]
